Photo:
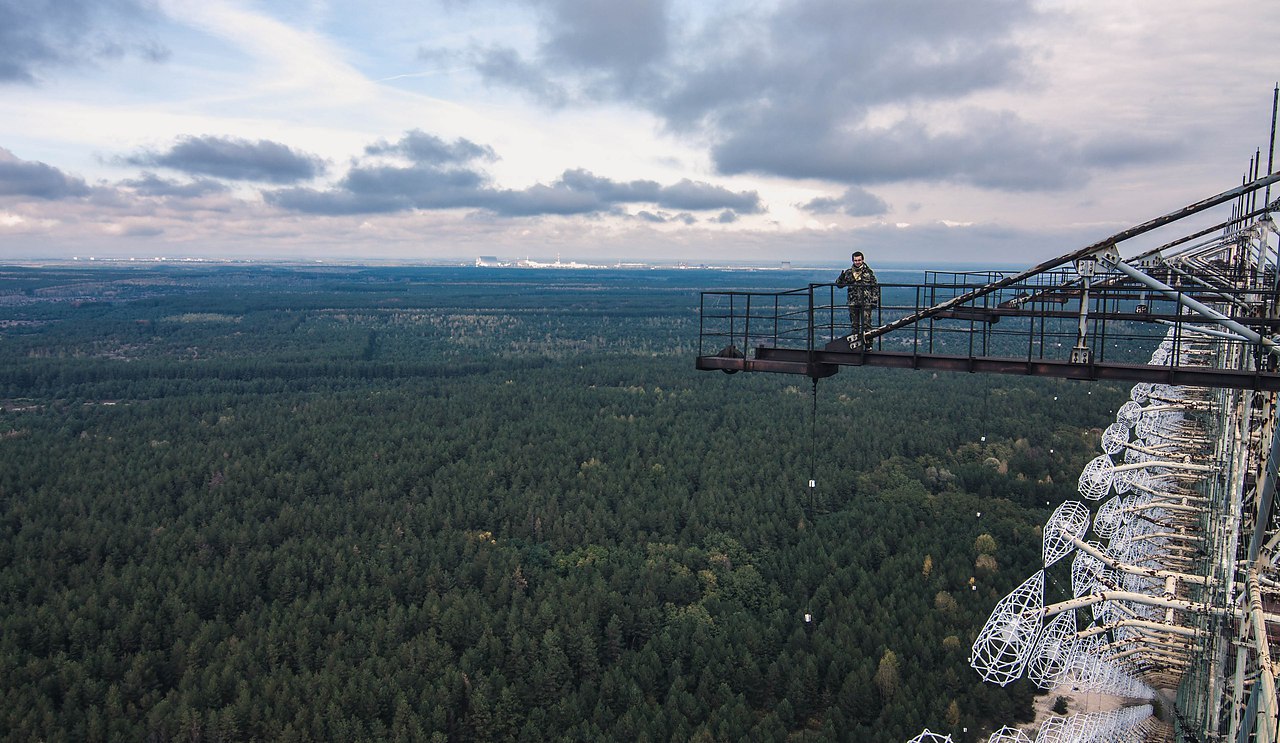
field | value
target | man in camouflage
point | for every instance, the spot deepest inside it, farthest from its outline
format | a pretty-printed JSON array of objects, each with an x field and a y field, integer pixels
[{"x": 864, "y": 296}]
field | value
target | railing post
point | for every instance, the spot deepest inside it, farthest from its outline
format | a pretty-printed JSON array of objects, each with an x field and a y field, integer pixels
[
  {"x": 732, "y": 319},
  {"x": 775, "y": 318},
  {"x": 812, "y": 326}
]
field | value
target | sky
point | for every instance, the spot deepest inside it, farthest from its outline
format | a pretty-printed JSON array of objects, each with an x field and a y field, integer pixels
[{"x": 999, "y": 132}]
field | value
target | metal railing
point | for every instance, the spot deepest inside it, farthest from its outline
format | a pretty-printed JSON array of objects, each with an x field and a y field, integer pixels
[{"x": 1034, "y": 320}]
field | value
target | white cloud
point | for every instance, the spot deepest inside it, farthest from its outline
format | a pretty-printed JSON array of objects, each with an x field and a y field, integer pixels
[{"x": 285, "y": 59}]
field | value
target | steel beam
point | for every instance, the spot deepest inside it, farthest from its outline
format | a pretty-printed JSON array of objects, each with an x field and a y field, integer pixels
[{"x": 825, "y": 363}]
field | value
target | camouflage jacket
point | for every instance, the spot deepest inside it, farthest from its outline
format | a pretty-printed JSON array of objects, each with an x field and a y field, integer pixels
[{"x": 863, "y": 288}]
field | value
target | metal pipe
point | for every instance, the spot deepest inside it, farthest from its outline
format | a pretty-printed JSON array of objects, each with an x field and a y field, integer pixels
[
  {"x": 1197, "y": 280},
  {"x": 1205, "y": 331},
  {"x": 1271, "y": 148},
  {"x": 1115, "y": 564},
  {"x": 1266, "y": 492},
  {"x": 1040, "y": 268},
  {"x": 1199, "y": 307},
  {"x": 1174, "y": 629},
  {"x": 1191, "y": 607},
  {"x": 1266, "y": 675}
]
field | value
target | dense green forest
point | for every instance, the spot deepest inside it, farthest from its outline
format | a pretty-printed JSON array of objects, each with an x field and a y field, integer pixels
[{"x": 317, "y": 503}]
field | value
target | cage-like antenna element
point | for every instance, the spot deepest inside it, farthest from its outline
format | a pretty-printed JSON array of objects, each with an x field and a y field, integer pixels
[
  {"x": 930, "y": 737},
  {"x": 1054, "y": 652},
  {"x": 1100, "y": 473},
  {"x": 1005, "y": 643},
  {"x": 1071, "y": 519}
]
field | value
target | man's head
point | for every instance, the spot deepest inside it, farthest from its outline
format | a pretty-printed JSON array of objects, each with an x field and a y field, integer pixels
[{"x": 857, "y": 258}]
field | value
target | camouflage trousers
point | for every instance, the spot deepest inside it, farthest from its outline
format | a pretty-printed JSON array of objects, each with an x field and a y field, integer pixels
[{"x": 860, "y": 319}]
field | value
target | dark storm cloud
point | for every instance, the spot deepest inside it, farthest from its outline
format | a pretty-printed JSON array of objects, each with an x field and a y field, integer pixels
[
  {"x": 234, "y": 159},
  {"x": 428, "y": 149},
  {"x": 36, "y": 179},
  {"x": 38, "y": 35},
  {"x": 441, "y": 177},
  {"x": 856, "y": 202},
  {"x": 152, "y": 185}
]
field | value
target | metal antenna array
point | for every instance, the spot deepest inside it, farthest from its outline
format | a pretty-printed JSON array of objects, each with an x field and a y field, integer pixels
[
  {"x": 1171, "y": 555},
  {"x": 1136, "y": 582}
]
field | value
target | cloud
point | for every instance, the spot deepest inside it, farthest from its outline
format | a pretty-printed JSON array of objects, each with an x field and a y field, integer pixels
[
  {"x": 815, "y": 110},
  {"x": 149, "y": 184},
  {"x": 994, "y": 150},
  {"x": 311, "y": 201},
  {"x": 856, "y": 202},
  {"x": 424, "y": 148},
  {"x": 36, "y": 36},
  {"x": 505, "y": 66},
  {"x": 36, "y": 179},
  {"x": 880, "y": 91},
  {"x": 234, "y": 159},
  {"x": 443, "y": 175},
  {"x": 587, "y": 49},
  {"x": 689, "y": 194},
  {"x": 855, "y": 56},
  {"x": 615, "y": 41},
  {"x": 140, "y": 230},
  {"x": 685, "y": 194},
  {"x": 1127, "y": 149},
  {"x": 990, "y": 244},
  {"x": 661, "y": 217}
]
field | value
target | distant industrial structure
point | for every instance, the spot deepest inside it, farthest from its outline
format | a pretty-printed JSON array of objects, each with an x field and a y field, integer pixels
[{"x": 490, "y": 261}]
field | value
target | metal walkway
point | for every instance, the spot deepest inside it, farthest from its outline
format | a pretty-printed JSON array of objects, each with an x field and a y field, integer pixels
[{"x": 1087, "y": 315}]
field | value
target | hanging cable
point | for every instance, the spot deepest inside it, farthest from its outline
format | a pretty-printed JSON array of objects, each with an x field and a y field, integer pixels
[{"x": 813, "y": 448}]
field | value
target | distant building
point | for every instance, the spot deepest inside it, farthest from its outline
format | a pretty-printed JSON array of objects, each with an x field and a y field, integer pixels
[
  {"x": 489, "y": 260},
  {"x": 786, "y": 265}
]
